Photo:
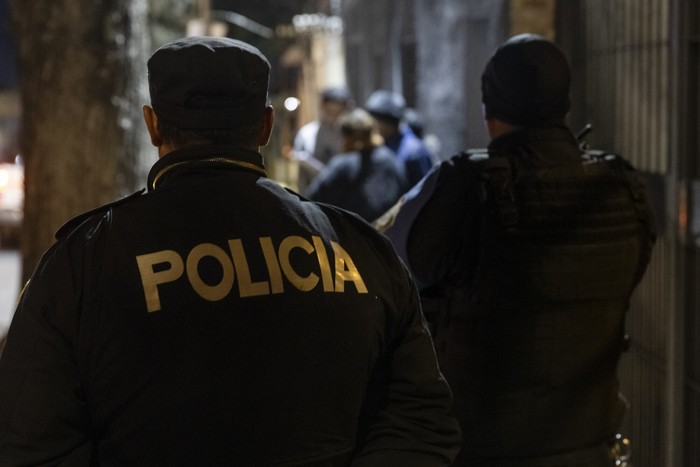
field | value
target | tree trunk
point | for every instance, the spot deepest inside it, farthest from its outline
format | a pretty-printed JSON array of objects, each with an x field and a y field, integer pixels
[{"x": 82, "y": 71}]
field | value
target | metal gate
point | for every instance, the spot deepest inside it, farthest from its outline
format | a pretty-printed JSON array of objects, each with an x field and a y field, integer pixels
[{"x": 636, "y": 64}]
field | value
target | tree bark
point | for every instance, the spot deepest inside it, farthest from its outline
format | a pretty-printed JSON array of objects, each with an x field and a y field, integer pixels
[{"x": 82, "y": 72}]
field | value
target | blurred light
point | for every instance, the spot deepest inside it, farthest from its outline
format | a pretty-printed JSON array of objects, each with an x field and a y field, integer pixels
[
  {"x": 244, "y": 22},
  {"x": 203, "y": 27},
  {"x": 317, "y": 23},
  {"x": 4, "y": 178},
  {"x": 291, "y": 103}
]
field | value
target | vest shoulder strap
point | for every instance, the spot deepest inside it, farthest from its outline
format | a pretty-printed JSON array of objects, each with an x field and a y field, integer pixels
[{"x": 495, "y": 175}]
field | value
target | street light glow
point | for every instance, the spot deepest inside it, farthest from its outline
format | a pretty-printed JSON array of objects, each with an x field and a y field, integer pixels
[{"x": 291, "y": 103}]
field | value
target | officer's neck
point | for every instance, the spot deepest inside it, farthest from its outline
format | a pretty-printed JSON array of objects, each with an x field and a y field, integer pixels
[
  {"x": 497, "y": 127},
  {"x": 166, "y": 148}
]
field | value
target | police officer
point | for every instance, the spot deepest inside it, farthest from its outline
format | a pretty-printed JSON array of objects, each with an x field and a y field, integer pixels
[
  {"x": 531, "y": 251},
  {"x": 219, "y": 319},
  {"x": 388, "y": 108}
]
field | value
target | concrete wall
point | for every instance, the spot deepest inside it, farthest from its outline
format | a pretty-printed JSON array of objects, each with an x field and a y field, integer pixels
[{"x": 455, "y": 41}]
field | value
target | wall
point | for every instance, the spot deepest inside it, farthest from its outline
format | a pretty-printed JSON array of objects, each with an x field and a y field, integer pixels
[{"x": 432, "y": 51}]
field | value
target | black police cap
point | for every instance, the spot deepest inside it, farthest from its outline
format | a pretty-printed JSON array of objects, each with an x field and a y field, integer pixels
[
  {"x": 208, "y": 83},
  {"x": 526, "y": 81}
]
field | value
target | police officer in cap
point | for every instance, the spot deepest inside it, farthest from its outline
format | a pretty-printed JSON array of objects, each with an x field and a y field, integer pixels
[
  {"x": 528, "y": 253},
  {"x": 218, "y": 319}
]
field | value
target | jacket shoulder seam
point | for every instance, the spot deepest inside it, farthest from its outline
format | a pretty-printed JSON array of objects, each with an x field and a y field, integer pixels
[{"x": 73, "y": 223}]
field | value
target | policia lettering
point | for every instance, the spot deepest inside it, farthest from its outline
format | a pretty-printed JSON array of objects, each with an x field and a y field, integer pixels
[{"x": 277, "y": 261}]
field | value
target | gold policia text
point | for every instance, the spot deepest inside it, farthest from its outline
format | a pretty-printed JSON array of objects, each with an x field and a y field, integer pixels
[{"x": 234, "y": 264}]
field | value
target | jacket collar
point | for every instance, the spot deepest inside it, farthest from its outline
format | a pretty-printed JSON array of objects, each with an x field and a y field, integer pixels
[
  {"x": 548, "y": 131},
  {"x": 206, "y": 155}
]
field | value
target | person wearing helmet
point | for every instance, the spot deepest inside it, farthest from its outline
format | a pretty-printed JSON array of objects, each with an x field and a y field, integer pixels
[
  {"x": 388, "y": 107},
  {"x": 527, "y": 254}
]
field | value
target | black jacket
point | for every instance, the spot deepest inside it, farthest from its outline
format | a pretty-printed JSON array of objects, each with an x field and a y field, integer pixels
[
  {"x": 221, "y": 320},
  {"x": 528, "y": 255},
  {"x": 366, "y": 183}
]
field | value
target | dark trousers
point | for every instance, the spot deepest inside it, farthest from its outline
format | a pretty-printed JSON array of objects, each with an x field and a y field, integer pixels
[{"x": 596, "y": 456}]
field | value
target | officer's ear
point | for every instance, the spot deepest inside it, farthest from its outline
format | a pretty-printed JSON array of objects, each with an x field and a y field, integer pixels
[
  {"x": 491, "y": 127},
  {"x": 268, "y": 124},
  {"x": 151, "y": 119}
]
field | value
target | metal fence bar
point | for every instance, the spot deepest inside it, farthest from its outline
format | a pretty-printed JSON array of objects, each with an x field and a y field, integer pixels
[{"x": 625, "y": 45}]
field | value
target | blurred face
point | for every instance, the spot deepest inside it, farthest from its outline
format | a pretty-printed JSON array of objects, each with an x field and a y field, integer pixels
[
  {"x": 356, "y": 141},
  {"x": 332, "y": 110},
  {"x": 386, "y": 128}
]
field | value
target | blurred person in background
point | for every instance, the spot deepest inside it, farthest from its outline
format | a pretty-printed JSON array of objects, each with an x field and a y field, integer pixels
[
  {"x": 366, "y": 178},
  {"x": 387, "y": 108},
  {"x": 418, "y": 124},
  {"x": 319, "y": 140}
]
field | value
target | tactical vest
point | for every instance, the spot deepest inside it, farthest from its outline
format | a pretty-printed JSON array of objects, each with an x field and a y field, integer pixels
[{"x": 531, "y": 346}]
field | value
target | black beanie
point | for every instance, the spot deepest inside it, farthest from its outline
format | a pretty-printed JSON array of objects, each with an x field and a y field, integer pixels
[{"x": 526, "y": 81}]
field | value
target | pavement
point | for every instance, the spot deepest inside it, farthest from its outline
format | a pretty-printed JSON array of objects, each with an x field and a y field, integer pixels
[{"x": 10, "y": 270}]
